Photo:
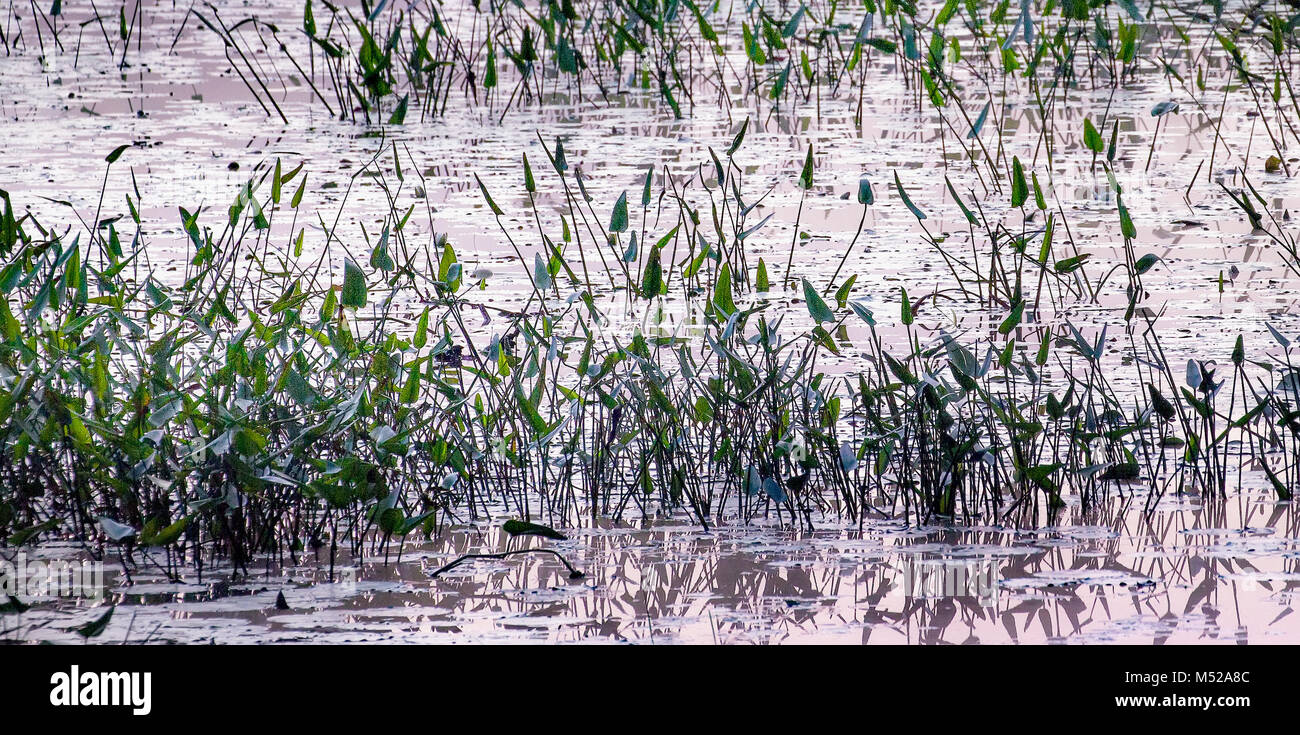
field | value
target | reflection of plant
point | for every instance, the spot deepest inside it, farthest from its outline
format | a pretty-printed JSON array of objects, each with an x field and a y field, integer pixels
[{"x": 516, "y": 528}]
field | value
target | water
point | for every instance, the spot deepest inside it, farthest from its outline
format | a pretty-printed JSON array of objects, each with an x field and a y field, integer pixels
[
  {"x": 1191, "y": 572},
  {"x": 1194, "y": 570}
]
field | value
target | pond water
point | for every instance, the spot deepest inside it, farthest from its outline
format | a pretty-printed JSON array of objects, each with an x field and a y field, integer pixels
[
  {"x": 1191, "y": 572},
  {"x": 1188, "y": 569}
]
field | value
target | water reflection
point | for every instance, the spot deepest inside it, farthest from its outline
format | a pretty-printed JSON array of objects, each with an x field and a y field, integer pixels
[{"x": 1192, "y": 571}]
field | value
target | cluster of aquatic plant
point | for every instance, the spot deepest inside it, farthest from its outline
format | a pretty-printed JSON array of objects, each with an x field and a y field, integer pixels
[
  {"x": 266, "y": 401},
  {"x": 381, "y": 61}
]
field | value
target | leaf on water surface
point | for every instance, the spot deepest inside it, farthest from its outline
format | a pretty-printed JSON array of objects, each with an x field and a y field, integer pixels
[
  {"x": 525, "y": 528},
  {"x": 1164, "y": 108},
  {"x": 96, "y": 626}
]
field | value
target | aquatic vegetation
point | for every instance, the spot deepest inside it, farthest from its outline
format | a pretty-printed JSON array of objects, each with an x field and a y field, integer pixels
[
  {"x": 267, "y": 401},
  {"x": 263, "y": 404}
]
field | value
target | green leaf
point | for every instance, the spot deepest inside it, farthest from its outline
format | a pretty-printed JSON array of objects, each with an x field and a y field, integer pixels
[
  {"x": 816, "y": 306},
  {"x": 399, "y": 112},
  {"x": 153, "y": 537},
  {"x": 970, "y": 216},
  {"x": 652, "y": 276},
  {"x": 421, "y": 336},
  {"x": 541, "y": 274},
  {"x": 354, "y": 285},
  {"x": 530, "y": 184},
  {"x": 842, "y": 295},
  {"x": 524, "y": 528},
  {"x": 1125, "y": 221},
  {"x": 1146, "y": 263},
  {"x": 779, "y": 86},
  {"x": 806, "y": 176},
  {"x": 736, "y": 141},
  {"x": 866, "y": 196},
  {"x": 1013, "y": 319},
  {"x": 902, "y": 193},
  {"x": 96, "y": 626},
  {"x": 21, "y": 537},
  {"x": 493, "y": 205},
  {"x": 1161, "y": 404},
  {"x": 979, "y": 122},
  {"x": 1092, "y": 138},
  {"x": 722, "y": 299},
  {"x": 116, "y": 154},
  {"x": 1019, "y": 189},
  {"x": 792, "y": 25},
  {"x": 618, "y": 220}
]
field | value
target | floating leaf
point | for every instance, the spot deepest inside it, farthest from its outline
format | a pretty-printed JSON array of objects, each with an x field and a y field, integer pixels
[
  {"x": 96, "y": 626},
  {"x": 524, "y": 528},
  {"x": 1164, "y": 108}
]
